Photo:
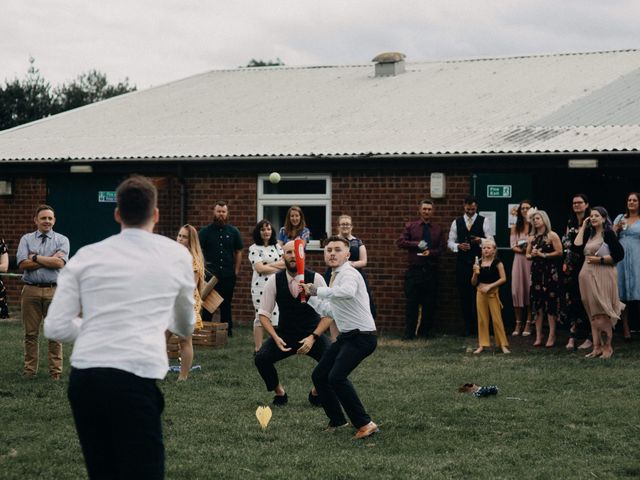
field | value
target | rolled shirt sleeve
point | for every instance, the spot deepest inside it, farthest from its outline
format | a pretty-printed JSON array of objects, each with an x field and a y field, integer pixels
[
  {"x": 183, "y": 313},
  {"x": 63, "y": 317}
]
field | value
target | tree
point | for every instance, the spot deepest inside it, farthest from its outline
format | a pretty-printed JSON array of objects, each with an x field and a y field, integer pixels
[
  {"x": 33, "y": 98},
  {"x": 89, "y": 87},
  {"x": 263, "y": 63},
  {"x": 23, "y": 101}
]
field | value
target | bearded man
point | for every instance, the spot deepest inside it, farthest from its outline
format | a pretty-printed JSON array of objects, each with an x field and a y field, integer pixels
[{"x": 222, "y": 249}]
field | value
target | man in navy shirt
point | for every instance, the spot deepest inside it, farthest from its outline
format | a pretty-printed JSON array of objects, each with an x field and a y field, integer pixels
[{"x": 222, "y": 249}]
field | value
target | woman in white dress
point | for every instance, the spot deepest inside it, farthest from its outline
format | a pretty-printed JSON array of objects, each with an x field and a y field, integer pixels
[{"x": 265, "y": 256}]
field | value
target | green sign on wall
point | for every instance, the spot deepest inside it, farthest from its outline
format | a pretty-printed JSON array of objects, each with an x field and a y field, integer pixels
[
  {"x": 498, "y": 191},
  {"x": 106, "y": 197}
]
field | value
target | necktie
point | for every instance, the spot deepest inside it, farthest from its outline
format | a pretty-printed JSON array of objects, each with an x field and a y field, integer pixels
[
  {"x": 426, "y": 234},
  {"x": 469, "y": 223},
  {"x": 333, "y": 277},
  {"x": 44, "y": 240}
]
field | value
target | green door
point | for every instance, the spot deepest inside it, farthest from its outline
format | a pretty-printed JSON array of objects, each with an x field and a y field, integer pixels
[
  {"x": 497, "y": 194},
  {"x": 84, "y": 205}
]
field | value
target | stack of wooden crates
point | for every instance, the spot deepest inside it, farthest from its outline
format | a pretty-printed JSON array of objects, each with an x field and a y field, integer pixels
[{"x": 211, "y": 335}]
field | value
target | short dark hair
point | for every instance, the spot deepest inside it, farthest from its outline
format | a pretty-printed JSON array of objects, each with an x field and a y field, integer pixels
[
  {"x": 426, "y": 201},
  {"x": 220, "y": 203},
  {"x": 136, "y": 197},
  {"x": 470, "y": 199},
  {"x": 257, "y": 239},
  {"x": 337, "y": 238},
  {"x": 44, "y": 207}
]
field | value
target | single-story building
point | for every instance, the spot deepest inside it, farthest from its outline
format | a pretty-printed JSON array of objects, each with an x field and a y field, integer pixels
[{"x": 367, "y": 140}]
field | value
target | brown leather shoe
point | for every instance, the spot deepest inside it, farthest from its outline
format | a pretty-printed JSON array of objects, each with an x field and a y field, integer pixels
[{"x": 366, "y": 431}]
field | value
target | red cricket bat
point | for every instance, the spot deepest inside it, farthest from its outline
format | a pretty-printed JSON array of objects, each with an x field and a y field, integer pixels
[{"x": 298, "y": 245}]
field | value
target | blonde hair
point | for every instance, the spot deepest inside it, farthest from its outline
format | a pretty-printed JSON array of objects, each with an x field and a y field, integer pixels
[
  {"x": 545, "y": 221},
  {"x": 196, "y": 251},
  {"x": 489, "y": 241}
]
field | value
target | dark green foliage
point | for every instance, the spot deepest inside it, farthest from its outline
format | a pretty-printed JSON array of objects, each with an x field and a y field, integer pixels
[
  {"x": 32, "y": 98},
  {"x": 263, "y": 63}
]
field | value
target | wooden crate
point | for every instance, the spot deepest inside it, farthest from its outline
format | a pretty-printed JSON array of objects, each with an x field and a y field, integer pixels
[
  {"x": 212, "y": 334},
  {"x": 173, "y": 348}
]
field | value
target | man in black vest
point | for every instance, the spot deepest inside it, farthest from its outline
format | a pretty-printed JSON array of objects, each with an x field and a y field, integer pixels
[
  {"x": 465, "y": 237},
  {"x": 300, "y": 329}
]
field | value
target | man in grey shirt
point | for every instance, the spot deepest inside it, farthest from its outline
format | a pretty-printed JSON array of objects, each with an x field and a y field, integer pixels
[{"x": 41, "y": 255}]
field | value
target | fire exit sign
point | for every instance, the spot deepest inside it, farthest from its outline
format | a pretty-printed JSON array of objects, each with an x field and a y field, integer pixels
[
  {"x": 107, "y": 197},
  {"x": 498, "y": 191}
]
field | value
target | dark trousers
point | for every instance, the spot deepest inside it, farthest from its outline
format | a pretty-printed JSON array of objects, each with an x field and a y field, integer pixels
[
  {"x": 117, "y": 416},
  {"x": 269, "y": 354},
  {"x": 467, "y": 293},
  {"x": 225, "y": 287},
  {"x": 330, "y": 378},
  {"x": 420, "y": 288}
]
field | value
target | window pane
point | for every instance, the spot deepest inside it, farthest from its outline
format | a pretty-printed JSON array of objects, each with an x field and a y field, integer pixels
[
  {"x": 314, "y": 216},
  {"x": 295, "y": 187}
]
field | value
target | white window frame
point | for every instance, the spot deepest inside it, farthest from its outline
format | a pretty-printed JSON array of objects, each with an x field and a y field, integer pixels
[{"x": 314, "y": 199}]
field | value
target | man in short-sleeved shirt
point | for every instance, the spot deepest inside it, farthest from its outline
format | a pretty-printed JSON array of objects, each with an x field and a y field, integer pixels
[
  {"x": 222, "y": 249},
  {"x": 41, "y": 255}
]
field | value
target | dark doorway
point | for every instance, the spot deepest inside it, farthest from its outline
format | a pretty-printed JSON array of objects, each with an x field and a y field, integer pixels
[
  {"x": 84, "y": 205},
  {"x": 553, "y": 191}
]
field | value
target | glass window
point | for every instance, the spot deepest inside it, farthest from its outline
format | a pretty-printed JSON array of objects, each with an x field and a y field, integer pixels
[{"x": 312, "y": 193}]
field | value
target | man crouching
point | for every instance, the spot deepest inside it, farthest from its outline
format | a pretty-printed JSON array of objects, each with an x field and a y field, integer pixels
[{"x": 300, "y": 329}]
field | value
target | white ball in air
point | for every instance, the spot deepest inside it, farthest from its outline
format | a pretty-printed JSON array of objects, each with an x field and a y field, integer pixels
[{"x": 274, "y": 177}]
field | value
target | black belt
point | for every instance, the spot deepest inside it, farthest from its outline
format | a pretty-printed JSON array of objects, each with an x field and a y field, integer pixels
[
  {"x": 42, "y": 285},
  {"x": 359, "y": 332}
]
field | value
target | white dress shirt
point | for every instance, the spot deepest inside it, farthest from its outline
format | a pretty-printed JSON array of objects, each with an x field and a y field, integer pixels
[
  {"x": 346, "y": 301},
  {"x": 268, "y": 300},
  {"x": 127, "y": 289},
  {"x": 452, "y": 243}
]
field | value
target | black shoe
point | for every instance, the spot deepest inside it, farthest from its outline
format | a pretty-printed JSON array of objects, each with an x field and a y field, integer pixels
[
  {"x": 314, "y": 400},
  {"x": 281, "y": 399}
]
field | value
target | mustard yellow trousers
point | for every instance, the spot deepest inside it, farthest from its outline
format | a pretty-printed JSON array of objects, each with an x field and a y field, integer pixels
[{"x": 489, "y": 306}]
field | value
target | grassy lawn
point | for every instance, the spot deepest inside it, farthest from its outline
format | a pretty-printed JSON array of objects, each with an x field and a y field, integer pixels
[{"x": 557, "y": 415}]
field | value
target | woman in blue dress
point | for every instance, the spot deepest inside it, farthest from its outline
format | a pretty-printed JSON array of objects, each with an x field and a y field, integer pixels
[{"x": 627, "y": 226}]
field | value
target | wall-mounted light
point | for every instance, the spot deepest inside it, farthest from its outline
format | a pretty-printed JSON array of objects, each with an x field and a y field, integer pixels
[
  {"x": 81, "y": 169},
  {"x": 6, "y": 188},
  {"x": 583, "y": 163}
]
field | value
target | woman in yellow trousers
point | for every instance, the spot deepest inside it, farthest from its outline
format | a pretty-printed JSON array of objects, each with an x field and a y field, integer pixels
[{"x": 488, "y": 275}]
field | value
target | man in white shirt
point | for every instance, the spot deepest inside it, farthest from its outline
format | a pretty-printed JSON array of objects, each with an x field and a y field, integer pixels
[
  {"x": 300, "y": 329},
  {"x": 115, "y": 300},
  {"x": 465, "y": 237},
  {"x": 347, "y": 302}
]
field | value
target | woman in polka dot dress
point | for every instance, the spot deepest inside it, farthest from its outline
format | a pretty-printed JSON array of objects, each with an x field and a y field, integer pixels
[{"x": 265, "y": 256}]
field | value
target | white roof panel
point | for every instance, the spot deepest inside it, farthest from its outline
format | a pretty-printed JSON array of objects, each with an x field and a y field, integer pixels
[{"x": 554, "y": 103}]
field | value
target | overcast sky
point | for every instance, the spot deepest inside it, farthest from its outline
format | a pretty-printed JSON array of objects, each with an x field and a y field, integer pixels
[{"x": 156, "y": 41}]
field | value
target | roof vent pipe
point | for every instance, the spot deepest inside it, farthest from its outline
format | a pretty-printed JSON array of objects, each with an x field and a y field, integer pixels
[{"x": 389, "y": 64}]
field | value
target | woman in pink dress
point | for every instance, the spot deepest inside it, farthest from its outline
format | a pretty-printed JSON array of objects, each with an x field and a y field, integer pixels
[
  {"x": 521, "y": 268},
  {"x": 599, "y": 280}
]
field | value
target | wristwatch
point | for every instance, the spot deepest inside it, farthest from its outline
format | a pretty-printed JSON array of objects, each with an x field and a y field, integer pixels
[
  {"x": 34, "y": 258},
  {"x": 601, "y": 260},
  {"x": 315, "y": 335}
]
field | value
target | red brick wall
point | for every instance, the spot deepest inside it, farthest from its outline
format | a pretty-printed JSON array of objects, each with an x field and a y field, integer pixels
[
  {"x": 16, "y": 219},
  {"x": 379, "y": 203}
]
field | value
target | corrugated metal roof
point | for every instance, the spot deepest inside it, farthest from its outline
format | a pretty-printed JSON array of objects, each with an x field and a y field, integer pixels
[{"x": 554, "y": 103}]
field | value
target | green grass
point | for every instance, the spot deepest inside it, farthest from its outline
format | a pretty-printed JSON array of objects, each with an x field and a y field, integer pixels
[{"x": 557, "y": 415}]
